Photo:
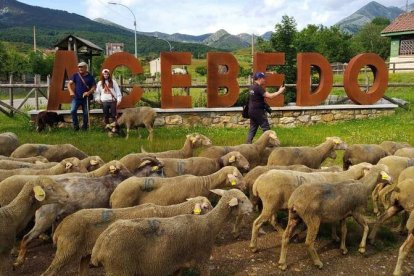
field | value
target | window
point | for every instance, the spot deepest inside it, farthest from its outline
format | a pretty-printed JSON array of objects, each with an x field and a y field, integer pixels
[{"x": 407, "y": 47}]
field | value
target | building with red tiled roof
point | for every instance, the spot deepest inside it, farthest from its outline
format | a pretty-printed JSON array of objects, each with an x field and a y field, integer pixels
[{"x": 401, "y": 32}]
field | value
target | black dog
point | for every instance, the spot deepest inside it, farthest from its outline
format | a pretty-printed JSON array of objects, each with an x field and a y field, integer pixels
[{"x": 48, "y": 118}]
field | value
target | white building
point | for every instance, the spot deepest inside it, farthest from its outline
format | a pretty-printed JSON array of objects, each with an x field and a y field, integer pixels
[{"x": 155, "y": 66}]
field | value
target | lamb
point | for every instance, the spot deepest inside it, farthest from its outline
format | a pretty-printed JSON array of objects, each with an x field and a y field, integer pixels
[
  {"x": 76, "y": 234},
  {"x": 327, "y": 203},
  {"x": 34, "y": 194},
  {"x": 163, "y": 246},
  {"x": 8, "y": 143},
  {"x": 276, "y": 186},
  {"x": 65, "y": 166},
  {"x": 252, "y": 152},
  {"x": 53, "y": 153},
  {"x": 138, "y": 117},
  {"x": 391, "y": 147},
  {"x": 405, "y": 152},
  {"x": 166, "y": 191},
  {"x": 48, "y": 118},
  {"x": 34, "y": 159},
  {"x": 203, "y": 166},
  {"x": 359, "y": 153},
  {"x": 404, "y": 200},
  {"x": 308, "y": 156},
  {"x": 84, "y": 192},
  {"x": 192, "y": 142}
]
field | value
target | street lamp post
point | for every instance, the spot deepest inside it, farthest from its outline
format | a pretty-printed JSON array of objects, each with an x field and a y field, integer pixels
[
  {"x": 169, "y": 44},
  {"x": 135, "y": 23}
]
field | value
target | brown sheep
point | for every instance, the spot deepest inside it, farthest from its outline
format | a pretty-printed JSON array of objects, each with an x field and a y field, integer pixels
[
  {"x": 138, "y": 117},
  {"x": 311, "y": 157},
  {"x": 391, "y": 147},
  {"x": 359, "y": 153}
]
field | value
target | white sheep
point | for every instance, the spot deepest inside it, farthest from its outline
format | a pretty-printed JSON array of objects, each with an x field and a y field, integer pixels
[
  {"x": 173, "y": 190},
  {"x": 34, "y": 194},
  {"x": 138, "y": 117},
  {"x": 202, "y": 165},
  {"x": 328, "y": 202},
  {"x": 53, "y": 153},
  {"x": 308, "y": 156},
  {"x": 276, "y": 186},
  {"x": 84, "y": 192},
  {"x": 252, "y": 152},
  {"x": 163, "y": 246},
  {"x": 76, "y": 235},
  {"x": 8, "y": 143}
]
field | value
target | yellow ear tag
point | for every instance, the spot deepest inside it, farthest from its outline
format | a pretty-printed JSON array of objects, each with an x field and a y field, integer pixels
[
  {"x": 233, "y": 182},
  {"x": 232, "y": 159},
  {"x": 384, "y": 176},
  {"x": 197, "y": 211},
  {"x": 93, "y": 162},
  {"x": 39, "y": 193},
  {"x": 154, "y": 168}
]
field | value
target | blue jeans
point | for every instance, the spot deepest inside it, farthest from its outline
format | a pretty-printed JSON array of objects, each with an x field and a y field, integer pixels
[{"x": 74, "y": 109}]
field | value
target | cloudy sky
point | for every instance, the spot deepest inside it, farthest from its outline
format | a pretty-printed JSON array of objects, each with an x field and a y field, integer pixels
[{"x": 207, "y": 16}]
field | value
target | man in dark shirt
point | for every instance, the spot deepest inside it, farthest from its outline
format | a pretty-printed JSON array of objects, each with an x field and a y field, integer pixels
[
  {"x": 81, "y": 85},
  {"x": 257, "y": 114}
]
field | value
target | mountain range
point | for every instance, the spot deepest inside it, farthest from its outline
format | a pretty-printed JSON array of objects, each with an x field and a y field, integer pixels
[{"x": 17, "y": 20}]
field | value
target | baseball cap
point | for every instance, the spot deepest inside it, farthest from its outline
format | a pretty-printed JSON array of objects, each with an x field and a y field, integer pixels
[
  {"x": 82, "y": 64},
  {"x": 259, "y": 75},
  {"x": 106, "y": 71}
]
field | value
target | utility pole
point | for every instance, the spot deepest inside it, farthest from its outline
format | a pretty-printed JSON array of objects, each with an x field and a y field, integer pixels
[{"x": 34, "y": 39}]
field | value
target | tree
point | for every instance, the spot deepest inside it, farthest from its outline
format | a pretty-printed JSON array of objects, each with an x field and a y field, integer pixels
[{"x": 201, "y": 70}]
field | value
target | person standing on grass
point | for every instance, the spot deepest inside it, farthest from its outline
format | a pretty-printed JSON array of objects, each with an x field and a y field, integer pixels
[
  {"x": 81, "y": 86},
  {"x": 109, "y": 94},
  {"x": 257, "y": 114}
]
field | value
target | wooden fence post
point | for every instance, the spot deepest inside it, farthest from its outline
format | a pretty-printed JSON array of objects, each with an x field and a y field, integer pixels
[{"x": 11, "y": 93}]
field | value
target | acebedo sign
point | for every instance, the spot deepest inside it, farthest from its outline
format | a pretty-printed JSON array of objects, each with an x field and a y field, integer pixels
[{"x": 66, "y": 64}]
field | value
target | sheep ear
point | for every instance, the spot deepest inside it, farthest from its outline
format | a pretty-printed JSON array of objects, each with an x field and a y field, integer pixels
[
  {"x": 232, "y": 159},
  {"x": 68, "y": 165},
  {"x": 93, "y": 162},
  {"x": 197, "y": 209},
  {"x": 232, "y": 179},
  {"x": 112, "y": 169},
  {"x": 219, "y": 192},
  {"x": 233, "y": 202},
  {"x": 143, "y": 163},
  {"x": 39, "y": 193},
  {"x": 193, "y": 140}
]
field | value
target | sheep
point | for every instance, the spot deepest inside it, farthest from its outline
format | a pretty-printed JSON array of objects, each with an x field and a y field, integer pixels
[
  {"x": 275, "y": 187},
  {"x": 34, "y": 194},
  {"x": 165, "y": 191},
  {"x": 8, "y": 143},
  {"x": 84, "y": 192},
  {"x": 34, "y": 159},
  {"x": 252, "y": 152},
  {"x": 76, "y": 234},
  {"x": 11, "y": 165},
  {"x": 359, "y": 153},
  {"x": 92, "y": 163},
  {"x": 391, "y": 147},
  {"x": 308, "y": 156},
  {"x": 404, "y": 200},
  {"x": 327, "y": 203},
  {"x": 203, "y": 166},
  {"x": 192, "y": 142},
  {"x": 405, "y": 152},
  {"x": 163, "y": 246},
  {"x": 137, "y": 117},
  {"x": 67, "y": 165},
  {"x": 53, "y": 153}
]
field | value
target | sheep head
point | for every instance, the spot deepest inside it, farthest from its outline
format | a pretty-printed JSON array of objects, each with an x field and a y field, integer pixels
[
  {"x": 149, "y": 165},
  {"x": 272, "y": 138},
  {"x": 338, "y": 143},
  {"x": 73, "y": 164},
  {"x": 236, "y": 159},
  {"x": 235, "y": 198},
  {"x": 198, "y": 140},
  {"x": 236, "y": 179},
  {"x": 47, "y": 191},
  {"x": 202, "y": 205}
]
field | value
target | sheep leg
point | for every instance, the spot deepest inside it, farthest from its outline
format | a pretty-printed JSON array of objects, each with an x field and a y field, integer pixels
[
  {"x": 84, "y": 266},
  {"x": 384, "y": 217},
  {"x": 263, "y": 217},
  {"x": 334, "y": 235},
  {"x": 150, "y": 131},
  {"x": 313, "y": 228},
  {"x": 4, "y": 256},
  {"x": 65, "y": 253},
  {"x": 384, "y": 193},
  {"x": 402, "y": 254},
  {"x": 401, "y": 226},
  {"x": 237, "y": 226},
  {"x": 43, "y": 221},
  {"x": 292, "y": 223},
  {"x": 362, "y": 221},
  {"x": 344, "y": 231},
  {"x": 127, "y": 136},
  {"x": 375, "y": 198},
  {"x": 276, "y": 226}
]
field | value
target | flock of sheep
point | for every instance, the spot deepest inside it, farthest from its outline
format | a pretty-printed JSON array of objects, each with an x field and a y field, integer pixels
[{"x": 150, "y": 213}]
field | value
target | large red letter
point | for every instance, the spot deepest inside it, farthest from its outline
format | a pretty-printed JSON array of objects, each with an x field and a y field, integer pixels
[
  {"x": 380, "y": 71},
  {"x": 124, "y": 58},
  {"x": 168, "y": 80},
  {"x": 260, "y": 63},
  {"x": 216, "y": 80},
  {"x": 304, "y": 96},
  {"x": 63, "y": 68}
]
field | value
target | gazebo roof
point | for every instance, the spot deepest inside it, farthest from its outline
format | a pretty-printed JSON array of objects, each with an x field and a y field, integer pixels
[
  {"x": 81, "y": 43},
  {"x": 403, "y": 24}
]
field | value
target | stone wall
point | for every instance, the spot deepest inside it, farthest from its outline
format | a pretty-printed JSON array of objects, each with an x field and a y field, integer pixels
[{"x": 287, "y": 116}]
